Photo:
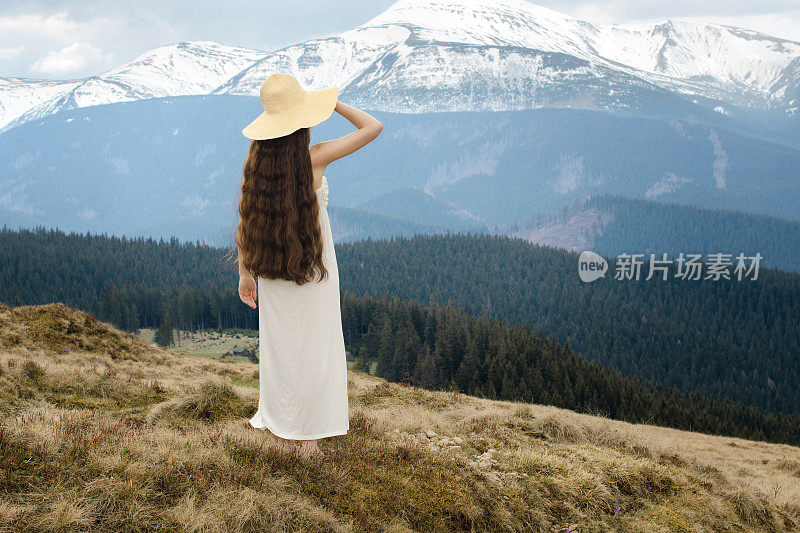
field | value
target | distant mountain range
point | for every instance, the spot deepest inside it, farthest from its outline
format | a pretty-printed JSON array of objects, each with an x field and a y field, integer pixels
[
  {"x": 497, "y": 114},
  {"x": 445, "y": 55},
  {"x": 172, "y": 166}
]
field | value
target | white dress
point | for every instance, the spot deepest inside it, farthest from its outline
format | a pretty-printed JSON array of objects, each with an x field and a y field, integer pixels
[{"x": 302, "y": 365}]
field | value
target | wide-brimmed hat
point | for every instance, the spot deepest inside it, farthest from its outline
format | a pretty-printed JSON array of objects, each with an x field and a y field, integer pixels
[{"x": 288, "y": 107}]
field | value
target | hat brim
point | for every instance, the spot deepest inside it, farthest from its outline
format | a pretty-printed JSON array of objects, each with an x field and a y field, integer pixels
[{"x": 314, "y": 108}]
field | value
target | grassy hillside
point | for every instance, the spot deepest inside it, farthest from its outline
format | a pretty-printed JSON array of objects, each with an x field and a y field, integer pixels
[{"x": 102, "y": 431}]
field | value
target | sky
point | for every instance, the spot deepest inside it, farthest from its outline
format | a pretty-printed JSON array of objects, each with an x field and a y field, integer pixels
[{"x": 65, "y": 39}]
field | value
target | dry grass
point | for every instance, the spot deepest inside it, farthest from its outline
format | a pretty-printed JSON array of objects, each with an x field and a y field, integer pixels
[{"x": 117, "y": 435}]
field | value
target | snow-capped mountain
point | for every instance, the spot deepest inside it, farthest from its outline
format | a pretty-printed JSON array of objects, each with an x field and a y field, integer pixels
[
  {"x": 442, "y": 55},
  {"x": 18, "y": 95},
  {"x": 173, "y": 70}
]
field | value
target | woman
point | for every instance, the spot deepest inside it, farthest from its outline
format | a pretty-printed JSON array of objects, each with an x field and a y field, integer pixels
[{"x": 284, "y": 241}]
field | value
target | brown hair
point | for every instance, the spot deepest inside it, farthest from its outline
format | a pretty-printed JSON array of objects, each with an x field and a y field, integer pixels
[{"x": 279, "y": 234}]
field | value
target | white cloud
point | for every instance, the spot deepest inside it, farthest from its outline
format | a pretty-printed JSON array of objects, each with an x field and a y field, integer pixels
[
  {"x": 11, "y": 53},
  {"x": 73, "y": 58},
  {"x": 49, "y": 39},
  {"x": 55, "y": 26}
]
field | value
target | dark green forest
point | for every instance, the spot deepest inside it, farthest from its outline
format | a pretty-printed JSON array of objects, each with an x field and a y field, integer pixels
[
  {"x": 653, "y": 227},
  {"x": 89, "y": 271},
  {"x": 738, "y": 339},
  {"x": 730, "y": 339},
  {"x": 442, "y": 347}
]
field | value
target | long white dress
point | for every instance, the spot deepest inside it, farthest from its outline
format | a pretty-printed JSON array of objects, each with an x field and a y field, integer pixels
[{"x": 302, "y": 365}]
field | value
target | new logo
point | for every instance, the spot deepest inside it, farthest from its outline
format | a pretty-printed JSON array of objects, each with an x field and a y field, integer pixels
[{"x": 591, "y": 266}]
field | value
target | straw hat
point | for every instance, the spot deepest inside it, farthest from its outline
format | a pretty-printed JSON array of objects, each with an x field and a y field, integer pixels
[{"x": 288, "y": 107}]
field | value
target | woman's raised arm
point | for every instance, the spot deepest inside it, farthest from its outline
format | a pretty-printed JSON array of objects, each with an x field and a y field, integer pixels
[{"x": 368, "y": 129}]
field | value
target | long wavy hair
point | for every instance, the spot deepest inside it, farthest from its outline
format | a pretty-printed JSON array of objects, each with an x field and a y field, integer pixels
[{"x": 278, "y": 234}]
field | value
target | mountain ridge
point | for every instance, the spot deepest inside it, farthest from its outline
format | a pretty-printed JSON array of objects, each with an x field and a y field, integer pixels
[{"x": 415, "y": 46}]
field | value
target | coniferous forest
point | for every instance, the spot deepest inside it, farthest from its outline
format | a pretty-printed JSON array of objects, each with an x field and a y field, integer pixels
[
  {"x": 738, "y": 339},
  {"x": 443, "y": 347},
  {"x": 496, "y": 332}
]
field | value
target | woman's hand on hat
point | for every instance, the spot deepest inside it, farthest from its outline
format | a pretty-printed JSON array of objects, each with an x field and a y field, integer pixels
[{"x": 248, "y": 290}]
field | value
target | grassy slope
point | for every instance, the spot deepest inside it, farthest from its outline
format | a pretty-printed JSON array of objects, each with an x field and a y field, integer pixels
[{"x": 114, "y": 434}]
